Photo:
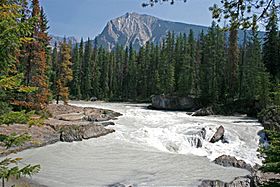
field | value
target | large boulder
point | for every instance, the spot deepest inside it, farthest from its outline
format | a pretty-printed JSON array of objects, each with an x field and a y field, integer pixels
[
  {"x": 95, "y": 131},
  {"x": 93, "y": 98},
  {"x": 245, "y": 181},
  {"x": 219, "y": 135},
  {"x": 96, "y": 114},
  {"x": 270, "y": 118},
  {"x": 163, "y": 102},
  {"x": 230, "y": 161},
  {"x": 266, "y": 178},
  {"x": 70, "y": 133},
  {"x": 204, "y": 112}
]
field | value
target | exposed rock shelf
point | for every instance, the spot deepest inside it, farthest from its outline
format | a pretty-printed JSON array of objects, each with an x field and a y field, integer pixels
[
  {"x": 230, "y": 161},
  {"x": 164, "y": 102},
  {"x": 68, "y": 124}
]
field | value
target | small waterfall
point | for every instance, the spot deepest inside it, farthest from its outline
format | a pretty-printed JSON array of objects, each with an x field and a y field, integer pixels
[{"x": 172, "y": 139}]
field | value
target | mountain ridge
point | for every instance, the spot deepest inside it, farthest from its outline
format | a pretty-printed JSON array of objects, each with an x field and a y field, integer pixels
[{"x": 137, "y": 29}]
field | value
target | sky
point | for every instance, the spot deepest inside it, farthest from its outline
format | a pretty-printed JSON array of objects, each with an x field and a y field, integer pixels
[{"x": 87, "y": 18}]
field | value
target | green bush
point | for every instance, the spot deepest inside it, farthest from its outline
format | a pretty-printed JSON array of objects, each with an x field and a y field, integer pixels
[
  {"x": 272, "y": 157},
  {"x": 36, "y": 121},
  {"x": 14, "y": 117},
  {"x": 4, "y": 108},
  {"x": 14, "y": 139}
]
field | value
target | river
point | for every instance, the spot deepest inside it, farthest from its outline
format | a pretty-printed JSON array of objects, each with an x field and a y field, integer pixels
[{"x": 149, "y": 148}]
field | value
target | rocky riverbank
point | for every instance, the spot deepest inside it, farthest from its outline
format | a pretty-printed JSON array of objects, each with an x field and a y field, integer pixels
[
  {"x": 270, "y": 119},
  {"x": 67, "y": 123}
]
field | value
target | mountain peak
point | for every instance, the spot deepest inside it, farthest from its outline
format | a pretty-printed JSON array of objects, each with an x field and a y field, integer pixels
[
  {"x": 137, "y": 29},
  {"x": 131, "y": 14}
]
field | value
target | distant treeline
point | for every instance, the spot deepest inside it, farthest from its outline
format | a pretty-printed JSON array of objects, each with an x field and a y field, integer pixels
[{"x": 211, "y": 68}]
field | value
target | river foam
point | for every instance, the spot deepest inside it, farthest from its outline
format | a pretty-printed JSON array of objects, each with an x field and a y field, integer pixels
[{"x": 149, "y": 148}]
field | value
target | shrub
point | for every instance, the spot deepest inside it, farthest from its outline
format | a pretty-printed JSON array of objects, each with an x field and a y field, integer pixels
[
  {"x": 4, "y": 108},
  {"x": 14, "y": 117}
]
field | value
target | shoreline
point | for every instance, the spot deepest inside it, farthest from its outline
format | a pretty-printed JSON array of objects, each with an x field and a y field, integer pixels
[{"x": 67, "y": 124}]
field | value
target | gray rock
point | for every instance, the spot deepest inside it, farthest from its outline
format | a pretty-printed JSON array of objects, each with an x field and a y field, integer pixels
[
  {"x": 230, "y": 161},
  {"x": 237, "y": 182},
  {"x": 95, "y": 131},
  {"x": 122, "y": 185},
  {"x": 204, "y": 112},
  {"x": 261, "y": 178},
  {"x": 225, "y": 140},
  {"x": 203, "y": 133},
  {"x": 163, "y": 102},
  {"x": 72, "y": 133},
  {"x": 90, "y": 118},
  {"x": 70, "y": 117},
  {"x": 93, "y": 99},
  {"x": 116, "y": 185},
  {"x": 105, "y": 124},
  {"x": 219, "y": 135},
  {"x": 102, "y": 119}
]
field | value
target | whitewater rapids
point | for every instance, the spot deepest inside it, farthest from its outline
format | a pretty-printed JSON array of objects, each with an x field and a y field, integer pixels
[{"x": 149, "y": 148}]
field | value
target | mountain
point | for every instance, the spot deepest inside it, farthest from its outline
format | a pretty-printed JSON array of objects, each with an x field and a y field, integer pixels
[
  {"x": 58, "y": 39},
  {"x": 137, "y": 29}
]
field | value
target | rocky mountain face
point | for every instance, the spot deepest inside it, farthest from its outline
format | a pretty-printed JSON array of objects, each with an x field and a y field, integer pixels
[
  {"x": 58, "y": 39},
  {"x": 136, "y": 29}
]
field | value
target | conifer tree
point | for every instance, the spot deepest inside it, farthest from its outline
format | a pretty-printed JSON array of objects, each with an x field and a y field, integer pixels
[
  {"x": 141, "y": 75},
  {"x": 125, "y": 86},
  {"x": 153, "y": 74},
  {"x": 132, "y": 73},
  {"x": 14, "y": 29},
  {"x": 120, "y": 58},
  {"x": 170, "y": 81},
  {"x": 86, "y": 72},
  {"x": 36, "y": 66},
  {"x": 112, "y": 76},
  {"x": 233, "y": 61},
  {"x": 271, "y": 52},
  {"x": 104, "y": 79},
  {"x": 96, "y": 90},
  {"x": 191, "y": 50},
  {"x": 184, "y": 76},
  {"x": 64, "y": 72},
  {"x": 76, "y": 82},
  {"x": 179, "y": 58},
  {"x": 81, "y": 59},
  {"x": 54, "y": 63}
]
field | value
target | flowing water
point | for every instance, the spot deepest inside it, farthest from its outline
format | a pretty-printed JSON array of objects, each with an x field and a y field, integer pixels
[{"x": 149, "y": 148}]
